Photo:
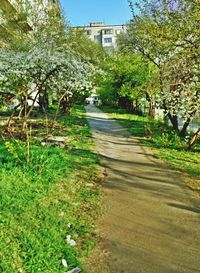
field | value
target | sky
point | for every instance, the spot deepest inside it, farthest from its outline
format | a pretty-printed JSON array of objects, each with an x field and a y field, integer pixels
[{"x": 82, "y": 12}]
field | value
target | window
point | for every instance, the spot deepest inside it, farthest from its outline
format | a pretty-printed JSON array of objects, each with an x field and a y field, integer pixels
[
  {"x": 108, "y": 40},
  {"x": 97, "y": 38},
  {"x": 88, "y": 32},
  {"x": 108, "y": 31}
]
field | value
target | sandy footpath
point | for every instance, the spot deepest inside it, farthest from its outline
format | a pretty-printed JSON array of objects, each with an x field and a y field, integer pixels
[{"x": 152, "y": 220}]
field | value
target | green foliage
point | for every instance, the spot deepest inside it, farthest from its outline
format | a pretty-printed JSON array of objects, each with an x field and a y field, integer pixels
[
  {"x": 161, "y": 34},
  {"x": 47, "y": 198},
  {"x": 87, "y": 49},
  {"x": 14, "y": 27},
  {"x": 107, "y": 93},
  {"x": 125, "y": 76}
]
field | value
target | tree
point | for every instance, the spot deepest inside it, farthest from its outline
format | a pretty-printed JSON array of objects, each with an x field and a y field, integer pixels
[
  {"x": 88, "y": 50},
  {"x": 166, "y": 33},
  {"x": 44, "y": 64},
  {"x": 125, "y": 79}
]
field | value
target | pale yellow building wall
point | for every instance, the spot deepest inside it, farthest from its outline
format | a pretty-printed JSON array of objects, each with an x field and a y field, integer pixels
[{"x": 103, "y": 33}]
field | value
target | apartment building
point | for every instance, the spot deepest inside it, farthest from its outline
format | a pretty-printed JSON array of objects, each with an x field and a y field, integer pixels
[{"x": 106, "y": 35}]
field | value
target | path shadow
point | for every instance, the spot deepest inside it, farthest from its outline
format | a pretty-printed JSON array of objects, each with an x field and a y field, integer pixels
[{"x": 183, "y": 207}]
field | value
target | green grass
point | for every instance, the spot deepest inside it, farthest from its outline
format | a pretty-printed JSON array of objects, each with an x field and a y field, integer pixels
[
  {"x": 166, "y": 144},
  {"x": 46, "y": 194}
]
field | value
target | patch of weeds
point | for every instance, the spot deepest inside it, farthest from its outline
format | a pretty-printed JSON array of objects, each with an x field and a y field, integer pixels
[{"x": 45, "y": 198}]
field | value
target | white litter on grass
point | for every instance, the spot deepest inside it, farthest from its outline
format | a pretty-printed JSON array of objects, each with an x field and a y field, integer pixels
[
  {"x": 75, "y": 270},
  {"x": 70, "y": 241},
  {"x": 64, "y": 263},
  {"x": 69, "y": 225},
  {"x": 62, "y": 213}
]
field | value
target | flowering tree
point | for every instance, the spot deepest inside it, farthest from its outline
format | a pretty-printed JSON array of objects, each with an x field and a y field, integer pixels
[
  {"x": 45, "y": 63},
  {"x": 31, "y": 74},
  {"x": 167, "y": 34}
]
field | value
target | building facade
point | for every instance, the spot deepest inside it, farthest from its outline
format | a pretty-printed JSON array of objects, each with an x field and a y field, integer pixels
[{"x": 106, "y": 35}]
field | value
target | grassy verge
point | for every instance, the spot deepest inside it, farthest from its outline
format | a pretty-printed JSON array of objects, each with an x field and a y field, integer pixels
[
  {"x": 166, "y": 144},
  {"x": 48, "y": 193}
]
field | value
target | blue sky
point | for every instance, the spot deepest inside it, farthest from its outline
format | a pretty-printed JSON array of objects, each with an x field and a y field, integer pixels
[{"x": 81, "y": 12}]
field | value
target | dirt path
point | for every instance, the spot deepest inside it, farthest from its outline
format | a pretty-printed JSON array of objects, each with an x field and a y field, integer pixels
[{"x": 152, "y": 220}]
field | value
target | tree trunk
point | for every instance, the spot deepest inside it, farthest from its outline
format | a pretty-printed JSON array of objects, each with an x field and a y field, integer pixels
[
  {"x": 152, "y": 110},
  {"x": 65, "y": 104},
  {"x": 184, "y": 128},
  {"x": 20, "y": 112},
  {"x": 174, "y": 121},
  {"x": 10, "y": 119},
  {"x": 194, "y": 139},
  {"x": 29, "y": 112},
  {"x": 23, "y": 108},
  {"x": 43, "y": 101}
]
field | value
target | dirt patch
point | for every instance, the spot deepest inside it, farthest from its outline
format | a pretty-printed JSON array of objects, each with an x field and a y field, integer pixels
[{"x": 98, "y": 260}]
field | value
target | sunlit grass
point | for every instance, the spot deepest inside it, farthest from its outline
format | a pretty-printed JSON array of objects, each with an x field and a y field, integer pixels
[{"x": 47, "y": 198}]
